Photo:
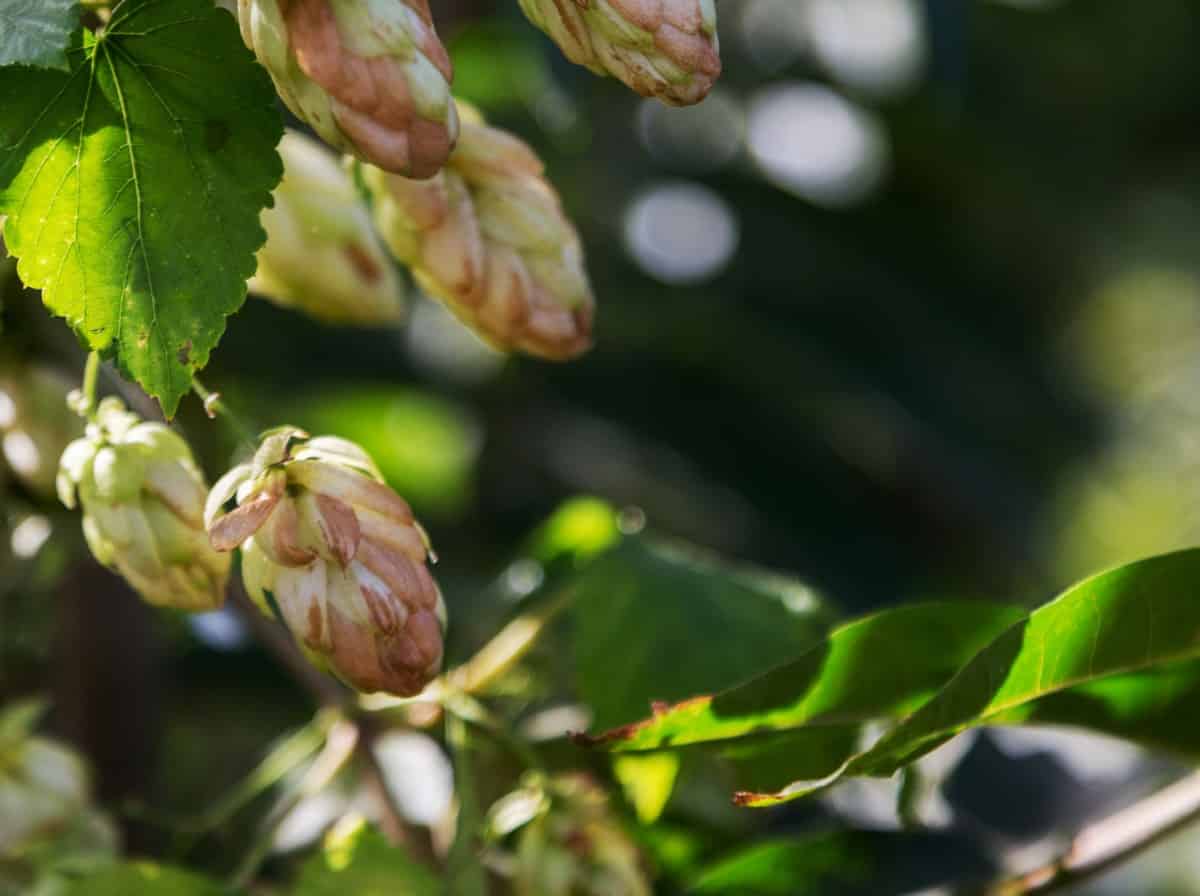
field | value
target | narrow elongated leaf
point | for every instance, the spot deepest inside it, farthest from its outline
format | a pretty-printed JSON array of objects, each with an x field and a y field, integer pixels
[
  {"x": 1139, "y": 617},
  {"x": 133, "y": 184},
  {"x": 37, "y": 32},
  {"x": 878, "y": 667},
  {"x": 657, "y": 622}
]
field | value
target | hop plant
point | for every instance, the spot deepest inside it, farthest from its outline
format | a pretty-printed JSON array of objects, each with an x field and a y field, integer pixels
[
  {"x": 321, "y": 254},
  {"x": 44, "y": 792},
  {"x": 488, "y": 236},
  {"x": 143, "y": 508},
  {"x": 339, "y": 555},
  {"x": 569, "y": 842},
  {"x": 371, "y": 78},
  {"x": 35, "y": 424},
  {"x": 661, "y": 48}
]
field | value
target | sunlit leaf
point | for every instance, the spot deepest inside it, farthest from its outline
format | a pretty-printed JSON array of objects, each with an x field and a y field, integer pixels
[
  {"x": 133, "y": 184},
  {"x": 648, "y": 781}
]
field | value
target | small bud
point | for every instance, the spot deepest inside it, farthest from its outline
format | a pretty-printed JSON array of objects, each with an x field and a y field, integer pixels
[
  {"x": 371, "y": 78},
  {"x": 569, "y": 842},
  {"x": 35, "y": 424},
  {"x": 660, "y": 48},
  {"x": 339, "y": 554},
  {"x": 143, "y": 508},
  {"x": 488, "y": 237},
  {"x": 322, "y": 255}
]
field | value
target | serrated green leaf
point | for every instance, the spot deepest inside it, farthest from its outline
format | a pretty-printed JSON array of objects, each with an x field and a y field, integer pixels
[
  {"x": 360, "y": 861},
  {"x": 1114, "y": 626},
  {"x": 133, "y": 184},
  {"x": 658, "y": 622},
  {"x": 37, "y": 32},
  {"x": 145, "y": 879}
]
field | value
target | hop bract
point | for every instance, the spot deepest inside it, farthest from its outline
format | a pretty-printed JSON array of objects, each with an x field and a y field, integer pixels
[
  {"x": 371, "y": 78},
  {"x": 143, "y": 508},
  {"x": 488, "y": 236},
  {"x": 339, "y": 554},
  {"x": 661, "y": 48},
  {"x": 321, "y": 254}
]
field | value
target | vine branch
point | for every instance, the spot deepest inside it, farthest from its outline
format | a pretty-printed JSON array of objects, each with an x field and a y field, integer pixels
[
  {"x": 328, "y": 693},
  {"x": 1111, "y": 841}
]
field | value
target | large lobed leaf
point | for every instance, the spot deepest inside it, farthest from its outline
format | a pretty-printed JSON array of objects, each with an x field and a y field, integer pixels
[
  {"x": 37, "y": 32},
  {"x": 1118, "y": 653},
  {"x": 133, "y": 184}
]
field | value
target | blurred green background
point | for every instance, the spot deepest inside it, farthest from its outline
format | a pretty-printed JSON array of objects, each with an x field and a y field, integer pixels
[{"x": 909, "y": 309}]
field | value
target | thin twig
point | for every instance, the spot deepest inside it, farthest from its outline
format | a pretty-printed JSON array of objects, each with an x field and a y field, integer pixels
[
  {"x": 340, "y": 746},
  {"x": 329, "y": 693},
  {"x": 1111, "y": 841},
  {"x": 214, "y": 405}
]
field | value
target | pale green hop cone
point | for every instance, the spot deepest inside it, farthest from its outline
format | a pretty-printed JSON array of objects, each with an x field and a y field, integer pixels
[
  {"x": 322, "y": 255},
  {"x": 142, "y": 497}
]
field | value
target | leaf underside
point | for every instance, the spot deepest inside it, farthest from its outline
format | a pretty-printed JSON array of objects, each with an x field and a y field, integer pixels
[
  {"x": 37, "y": 32},
  {"x": 133, "y": 184}
]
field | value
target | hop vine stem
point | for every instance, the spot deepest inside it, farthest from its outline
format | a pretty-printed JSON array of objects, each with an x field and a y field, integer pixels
[
  {"x": 328, "y": 693},
  {"x": 215, "y": 406},
  {"x": 91, "y": 377},
  {"x": 1110, "y": 842}
]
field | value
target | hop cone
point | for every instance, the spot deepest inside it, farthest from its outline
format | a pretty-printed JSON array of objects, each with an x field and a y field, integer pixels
[
  {"x": 339, "y": 554},
  {"x": 370, "y": 76},
  {"x": 570, "y": 843},
  {"x": 35, "y": 424},
  {"x": 489, "y": 238},
  {"x": 143, "y": 508},
  {"x": 661, "y": 48},
  {"x": 321, "y": 254},
  {"x": 44, "y": 794}
]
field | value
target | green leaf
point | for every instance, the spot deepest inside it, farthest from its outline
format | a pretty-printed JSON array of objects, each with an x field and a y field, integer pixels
[
  {"x": 878, "y": 667},
  {"x": 359, "y": 860},
  {"x": 657, "y": 622},
  {"x": 648, "y": 781},
  {"x": 37, "y": 32},
  {"x": 133, "y": 184},
  {"x": 1137, "y": 617},
  {"x": 145, "y": 879},
  {"x": 801, "y": 866}
]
